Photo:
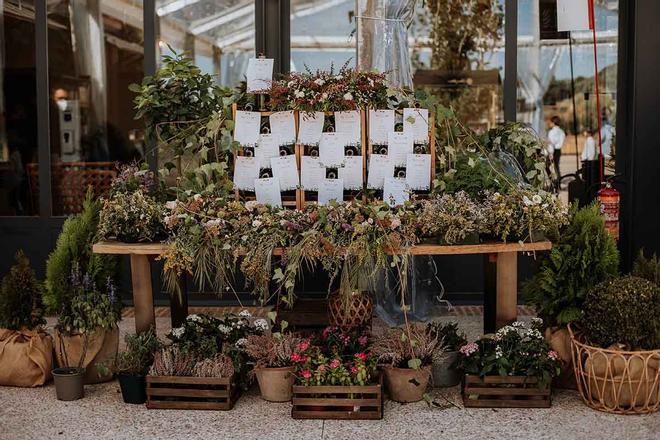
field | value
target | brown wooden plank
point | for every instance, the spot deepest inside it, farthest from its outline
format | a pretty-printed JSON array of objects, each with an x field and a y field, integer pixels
[
  {"x": 492, "y": 391},
  {"x": 164, "y": 404},
  {"x": 336, "y": 415},
  {"x": 143, "y": 297},
  {"x": 189, "y": 380},
  {"x": 469, "y": 378},
  {"x": 327, "y": 389},
  {"x": 119, "y": 248},
  {"x": 181, "y": 392},
  {"x": 506, "y": 309},
  {"x": 320, "y": 401},
  {"x": 502, "y": 403}
]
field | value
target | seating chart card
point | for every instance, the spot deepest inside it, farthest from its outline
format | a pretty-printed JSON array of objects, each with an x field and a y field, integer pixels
[
  {"x": 381, "y": 123},
  {"x": 416, "y": 122},
  {"x": 399, "y": 145},
  {"x": 259, "y": 74},
  {"x": 331, "y": 189},
  {"x": 247, "y": 128},
  {"x": 246, "y": 170},
  {"x": 351, "y": 173},
  {"x": 311, "y": 173},
  {"x": 396, "y": 191},
  {"x": 349, "y": 122},
  {"x": 380, "y": 167},
  {"x": 283, "y": 125},
  {"x": 267, "y": 191},
  {"x": 418, "y": 172},
  {"x": 310, "y": 127},
  {"x": 267, "y": 147},
  {"x": 331, "y": 149},
  {"x": 285, "y": 170}
]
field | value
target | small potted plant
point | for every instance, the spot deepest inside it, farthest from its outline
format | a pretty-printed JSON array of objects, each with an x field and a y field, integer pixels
[
  {"x": 132, "y": 365},
  {"x": 273, "y": 366},
  {"x": 409, "y": 354},
  {"x": 445, "y": 357},
  {"x": 512, "y": 368},
  {"x": 26, "y": 350}
]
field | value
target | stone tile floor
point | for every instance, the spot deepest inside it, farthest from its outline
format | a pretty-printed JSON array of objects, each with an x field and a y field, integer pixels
[{"x": 35, "y": 413}]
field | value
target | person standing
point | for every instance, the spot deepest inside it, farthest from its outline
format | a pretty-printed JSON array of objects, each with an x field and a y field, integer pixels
[
  {"x": 589, "y": 150},
  {"x": 556, "y": 138}
]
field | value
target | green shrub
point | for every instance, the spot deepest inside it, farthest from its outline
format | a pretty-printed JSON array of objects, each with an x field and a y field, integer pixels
[
  {"x": 582, "y": 256},
  {"x": 623, "y": 310},
  {"x": 74, "y": 245},
  {"x": 448, "y": 334},
  {"x": 20, "y": 297},
  {"x": 139, "y": 353},
  {"x": 647, "y": 268}
]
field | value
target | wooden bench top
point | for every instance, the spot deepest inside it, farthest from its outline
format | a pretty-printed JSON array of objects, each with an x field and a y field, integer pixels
[{"x": 118, "y": 248}]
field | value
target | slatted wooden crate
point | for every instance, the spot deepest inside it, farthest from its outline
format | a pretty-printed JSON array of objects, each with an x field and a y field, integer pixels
[
  {"x": 504, "y": 392},
  {"x": 338, "y": 402},
  {"x": 175, "y": 392}
]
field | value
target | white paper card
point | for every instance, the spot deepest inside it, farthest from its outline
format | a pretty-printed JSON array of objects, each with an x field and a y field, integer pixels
[
  {"x": 351, "y": 172},
  {"x": 311, "y": 173},
  {"x": 381, "y": 122},
  {"x": 246, "y": 170},
  {"x": 268, "y": 146},
  {"x": 310, "y": 128},
  {"x": 246, "y": 130},
  {"x": 380, "y": 167},
  {"x": 267, "y": 191},
  {"x": 418, "y": 171},
  {"x": 399, "y": 145},
  {"x": 331, "y": 149},
  {"x": 416, "y": 122},
  {"x": 396, "y": 191},
  {"x": 259, "y": 74},
  {"x": 572, "y": 15},
  {"x": 286, "y": 170},
  {"x": 283, "y": 125},
  {"x": 349, "y": 122},
  {"x": 331, "y": 189}
]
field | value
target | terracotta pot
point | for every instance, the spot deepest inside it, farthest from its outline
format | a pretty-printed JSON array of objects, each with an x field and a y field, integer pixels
[
  {"x": 443, "y": 374},
  {"x": 102, "y": 346},
  {"x": 275, "y": 383},
  {"x": 406, "y": 385}
]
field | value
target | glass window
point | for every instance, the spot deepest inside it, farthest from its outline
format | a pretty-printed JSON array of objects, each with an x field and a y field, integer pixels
[
  {"x": 95, "y": 49},
  {"x": 218, "y": 35},
  {"x": 19, "y": 189},
  {"x": 547, "y": 79}
]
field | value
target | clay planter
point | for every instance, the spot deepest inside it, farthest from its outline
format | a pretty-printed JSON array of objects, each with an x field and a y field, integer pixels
[
  {"x": 443, "y": 373},
  {"x": 69, "y": 383},
  {"x": 102, "y": 345},
  {"x": 133, "y": 388},
  {"x": 275, "y": 383},
  {"x": 406, "y": 385}
]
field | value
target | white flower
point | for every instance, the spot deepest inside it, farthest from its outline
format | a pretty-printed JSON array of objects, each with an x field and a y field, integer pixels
[
  {"x": 324, "y": 96},
  {"x": 241, "y": 342},
  {"x": 245, "y": 313},
  {"x": 290, "y": 84},
  {"x": 348, "y": 96},
  {"x": 537, "y": 199},
  {"x": 194, "y": 318},
  {"x": 197, "y": 197},
  {"x": 319, "y": 81},
  {"x": 339, "y": 77},
  {"x": 256, "y": 223},
  {"x": 251, "y": 204},
  {"x": 526, "y": 201},
  {"x": 299, "y": 94},
  {"x": 171, "y": 204},
  {"x": 178, "y": 332},
  {"x": 224, "y": 329},
  {"x": 395, "y": 223},
  {"x": 498, "y": 352},
  {"x": 261, "y": 324},
  {"x": 212, "y": 223}
]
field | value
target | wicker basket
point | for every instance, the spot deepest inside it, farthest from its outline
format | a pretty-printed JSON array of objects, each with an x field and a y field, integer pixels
[
  {"x": 616, "y": 381},
  {"x": 350, "y": 313}
]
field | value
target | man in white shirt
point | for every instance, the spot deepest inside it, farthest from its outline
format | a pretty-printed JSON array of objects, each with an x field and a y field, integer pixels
[
  {"x": 589, "y": 150},
  {"x": 556, "y": 138}
]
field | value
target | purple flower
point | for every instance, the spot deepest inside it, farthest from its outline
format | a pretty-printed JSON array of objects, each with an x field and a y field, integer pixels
[
  {"x": 112, "y": 291},
  {"x": 346, "y": 227}
]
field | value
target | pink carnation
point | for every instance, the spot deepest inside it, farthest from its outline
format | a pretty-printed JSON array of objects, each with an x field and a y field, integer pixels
[
  {"x": 361, "y": 356},
  {"x": 553, "y": 355},
  {"x": 304, "y": 345},
  {"x": 306, "y": 374},
  {"x": 354, "y": 370},
  {"x": 335, "y": 363},
  {"x": 469, "y": 349},
  {"x": 295, "y": 357}
]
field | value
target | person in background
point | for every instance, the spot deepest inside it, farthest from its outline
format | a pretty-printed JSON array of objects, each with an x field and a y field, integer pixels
[
  {"x": 606, "y": 134},
  {"x": 589, "y": 151},
  {"x": 556, "y": 138}
]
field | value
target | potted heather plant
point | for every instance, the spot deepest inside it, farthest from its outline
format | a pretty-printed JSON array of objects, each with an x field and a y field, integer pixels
[
  {"x": 445, "y": 357},
  {"x": 408, "y": 353},
  {"x": 273, "y": 365}
]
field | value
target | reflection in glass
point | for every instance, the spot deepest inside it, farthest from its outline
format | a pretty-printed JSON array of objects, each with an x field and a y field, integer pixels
[
  {"x": 218, "y": 35},
  {"x": 95, "y": 51},
  {"x": 18, "y": 108}
]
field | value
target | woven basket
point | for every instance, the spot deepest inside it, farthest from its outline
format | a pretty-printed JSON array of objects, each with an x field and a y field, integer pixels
[
  {"x": 616, "y": 381},
  {"x": 352, "y": 312}
]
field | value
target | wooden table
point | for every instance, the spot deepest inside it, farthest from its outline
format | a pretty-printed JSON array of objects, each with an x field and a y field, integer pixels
[{"x": 501, "y": 286}]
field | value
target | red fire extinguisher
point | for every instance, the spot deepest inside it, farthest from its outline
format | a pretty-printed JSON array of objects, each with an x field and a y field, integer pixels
[{"x": 609, "y": 198}]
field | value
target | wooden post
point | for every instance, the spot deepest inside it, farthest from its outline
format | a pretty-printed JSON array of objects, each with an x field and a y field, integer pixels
[
  {"x": 143, "y": 297},
  {"x": 179, "y": 304},
  {"x": 490, "y": 292},
  {"x": 506, "y": 310}
]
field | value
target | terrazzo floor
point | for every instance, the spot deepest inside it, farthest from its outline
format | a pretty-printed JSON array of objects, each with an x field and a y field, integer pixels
[{"x": 36, "y": 414}]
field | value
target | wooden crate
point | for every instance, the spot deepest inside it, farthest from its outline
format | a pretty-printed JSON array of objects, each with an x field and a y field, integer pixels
[
  {"x": 338, "y": 402},
  {"x": 504, "y": 392},
  {"x": 175, "y": 392}
]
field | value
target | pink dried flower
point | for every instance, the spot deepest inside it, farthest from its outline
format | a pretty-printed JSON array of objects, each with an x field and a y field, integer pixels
[
  {"x": 321, "y": 368},
  {"x": 363, "y": 340},
  {"x": 553, "y": 355},
  {"x": 335, "y": 363},
  {"x": 306, "y": 374},
  {"x": 303, "y": 346},
  {"x": 469, "y": 349}
]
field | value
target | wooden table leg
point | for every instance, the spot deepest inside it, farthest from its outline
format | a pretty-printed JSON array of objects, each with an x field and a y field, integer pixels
[
  {"x": 506, "y": 310},
  {"x": 143, "y": 296},
  {"x": 490, "y": 292}
]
